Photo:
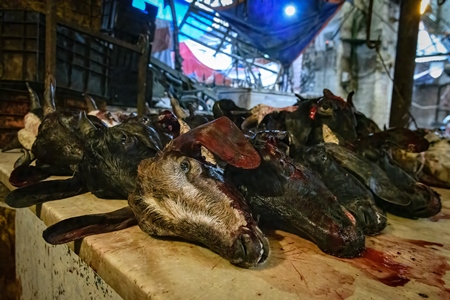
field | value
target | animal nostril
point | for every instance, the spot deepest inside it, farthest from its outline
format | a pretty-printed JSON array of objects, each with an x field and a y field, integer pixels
[{"x": 245, "y": 240}]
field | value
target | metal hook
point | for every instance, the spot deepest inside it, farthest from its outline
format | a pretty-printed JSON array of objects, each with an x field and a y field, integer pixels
[{"x": 370, "y": 44}]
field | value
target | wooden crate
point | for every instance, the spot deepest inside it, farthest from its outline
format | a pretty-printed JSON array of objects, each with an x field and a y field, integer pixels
[
  {"x": 85, "y": 13},
  {"x": 14, "y": 104}
]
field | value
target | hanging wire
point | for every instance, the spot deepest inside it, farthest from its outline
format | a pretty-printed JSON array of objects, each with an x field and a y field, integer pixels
[
  {"x": 344, "y": 18},
  {"x": 378, "y": 16}
]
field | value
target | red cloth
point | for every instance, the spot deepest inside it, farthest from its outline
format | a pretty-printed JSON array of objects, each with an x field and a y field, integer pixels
[{"x": 191, "y": 65}]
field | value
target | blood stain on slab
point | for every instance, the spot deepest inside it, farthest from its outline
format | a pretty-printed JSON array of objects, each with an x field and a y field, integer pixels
[
  {"x": 383, "y": 267},
  {"x": 440, "y": 216},
  {"x": 395, "y": 261},
  {"x": 423, "y": 243}
]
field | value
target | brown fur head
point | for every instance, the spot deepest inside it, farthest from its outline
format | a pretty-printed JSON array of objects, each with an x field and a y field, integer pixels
[{"x": 184, "y": 196}]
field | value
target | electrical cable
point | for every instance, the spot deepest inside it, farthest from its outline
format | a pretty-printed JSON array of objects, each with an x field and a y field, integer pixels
[{"x": 379, "y": 17}]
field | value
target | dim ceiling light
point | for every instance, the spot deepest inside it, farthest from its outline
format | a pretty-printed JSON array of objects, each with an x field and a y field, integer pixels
[{"x": 289, "y": 10}]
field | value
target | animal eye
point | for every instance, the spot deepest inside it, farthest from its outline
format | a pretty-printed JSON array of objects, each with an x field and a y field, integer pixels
[
  {"x": 124, "y": 138},
  {"x": 185, "y": 166},
  {"x": 325, "y": 109}
]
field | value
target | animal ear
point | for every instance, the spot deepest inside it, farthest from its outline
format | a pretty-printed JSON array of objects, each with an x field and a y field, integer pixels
[
  {"x": 90, "y": 102},
  {"x": 327, "y": 93},
  {"x": 177, "y": 109},
  {"x": 350, "y": 99},
  {"x": 191, "y": 110},
  {"x": 45, "y": 191},
  {"x": 224, "y": 139},
  {"x": 49, "y": 94},
  {"x": 150, "y": 139},
  {"x": 34, "y": 99},
  {"x": 85, "y": 126},
  {"x": 79, "y": 227},
  {"x": 145, "y": 134}
]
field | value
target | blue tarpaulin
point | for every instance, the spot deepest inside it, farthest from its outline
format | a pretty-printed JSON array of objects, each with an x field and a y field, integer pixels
[
  {"x": 271, "y": 26},
  {"x": 267, "y": 26},
  {"x": 181, "y": 8}
]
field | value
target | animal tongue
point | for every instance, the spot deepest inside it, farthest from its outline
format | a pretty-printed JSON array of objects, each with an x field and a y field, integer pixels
[
  {"x": 26, "y": 175},
  {"x": 224, "y": 140}
]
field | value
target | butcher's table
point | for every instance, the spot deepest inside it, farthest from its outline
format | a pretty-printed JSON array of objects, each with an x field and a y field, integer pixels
[{"x": 409, "y": 260}]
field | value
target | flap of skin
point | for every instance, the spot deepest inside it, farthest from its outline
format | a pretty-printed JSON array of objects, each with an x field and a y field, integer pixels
[
  {"x": 224, "y": 139},
  {"x": 369, "y": 174},
  {"x": 79, "y": 227},
  {"x": 403, "y": 138},
  {"x": 44, "y": 191}
]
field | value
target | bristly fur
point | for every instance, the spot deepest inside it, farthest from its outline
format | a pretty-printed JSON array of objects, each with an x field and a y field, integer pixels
[{"x": 192, "y": 204}]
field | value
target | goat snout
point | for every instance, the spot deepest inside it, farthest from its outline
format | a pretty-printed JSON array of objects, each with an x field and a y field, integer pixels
[{"x": 250, "y": 248}]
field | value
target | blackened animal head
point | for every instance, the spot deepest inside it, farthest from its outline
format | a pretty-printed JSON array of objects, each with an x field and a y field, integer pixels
[
  {"x": 180, "y": 194},
  {"x": 424, "y": 201},
  {"x": 364, "y": 125},
  {"x": 350, "y": 193},
  {"x": 194, "y": 120},
  {"x": 111, "y": 156},
  {"x": 165, "y": 124},
  {"x": 288, "y": 196},
  {"x": 58, "y": 141},
  {"x": 229, "y": 109},
  {"x": 299, "y": 124},
  {"x": 337, "y": 114}
]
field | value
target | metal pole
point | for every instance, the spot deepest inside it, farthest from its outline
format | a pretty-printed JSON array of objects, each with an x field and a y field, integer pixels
[
  {"x": 176, "y": 45},
  {"x": 408, "y": 30}
]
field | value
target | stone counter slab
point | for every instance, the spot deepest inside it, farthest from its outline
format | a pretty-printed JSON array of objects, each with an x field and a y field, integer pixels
[{"x": 409, "y": 260}]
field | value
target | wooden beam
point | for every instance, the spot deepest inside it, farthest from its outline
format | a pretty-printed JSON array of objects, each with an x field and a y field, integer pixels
[
  {"x": 142, "y": 73},
  {"x": 99, "y": 35},
  {"x": 408, "y": 31},
  {"x": 50, "y": 37}
]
